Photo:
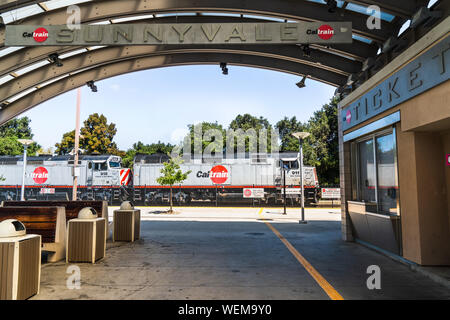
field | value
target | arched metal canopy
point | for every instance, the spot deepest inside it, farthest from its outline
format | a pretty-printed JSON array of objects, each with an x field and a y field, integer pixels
[
  {"x": 27, "y": 77},
  {"x": 116, "y": 68}
]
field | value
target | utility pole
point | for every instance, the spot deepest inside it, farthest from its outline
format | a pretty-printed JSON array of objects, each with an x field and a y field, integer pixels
[
  {"x": 301, "y": 136},
  {"x": 284, "y": 186},
  {"x": 25, "y": 143},
  {"x": 77, "y": 143}
]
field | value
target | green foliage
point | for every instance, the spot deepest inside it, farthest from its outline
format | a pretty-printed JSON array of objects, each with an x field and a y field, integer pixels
[
  {"x": 215, "y": 145},
  {"x": 285, "y": 128},
  {"x": 246, "y": 122},
  {"x": 172, "y": 174},
  {"x": 141, "y": 148},
  {"x": 13, "y": 130},
  {"x": 243, "y": 122},
  {"x": 67, "y": 143},
  {"x": 97, "y": 137},
  {"x": 320, "y": 149}
]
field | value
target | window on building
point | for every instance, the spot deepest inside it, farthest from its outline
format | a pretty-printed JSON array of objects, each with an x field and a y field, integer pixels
[{"x": 375, "y": 171}]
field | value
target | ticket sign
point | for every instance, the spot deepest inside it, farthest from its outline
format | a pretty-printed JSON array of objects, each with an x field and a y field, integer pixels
[
  {"x": 253, "y": 193},
  {"x": 331, "y": 193}
]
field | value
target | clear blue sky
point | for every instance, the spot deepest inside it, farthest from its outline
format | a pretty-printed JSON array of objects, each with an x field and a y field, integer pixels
[{"x": 158, "y": 104}]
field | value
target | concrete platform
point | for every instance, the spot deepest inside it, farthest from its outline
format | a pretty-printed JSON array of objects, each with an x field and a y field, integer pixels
[{"x": 233, "y": 254}]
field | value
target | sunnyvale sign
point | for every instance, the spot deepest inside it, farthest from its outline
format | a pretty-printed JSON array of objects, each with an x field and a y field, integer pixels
[{"x": 154, "y": 34}]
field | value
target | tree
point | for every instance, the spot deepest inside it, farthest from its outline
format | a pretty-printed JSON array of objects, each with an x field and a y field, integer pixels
[
  {"x": 67, "y": 143},
  {"x": 246, "y": 122},
  {"x": 206, "y": 126},
  {"x": 96, "y": 137},
  {"x": 141, "y": 148},
  {"x": 320, "y": 149},
  {"x": 13, "y": 130},
  {"x": 323, "y": 127},
  {"x": 172, "y": 174},
  {"x": 285, "y": 128}
]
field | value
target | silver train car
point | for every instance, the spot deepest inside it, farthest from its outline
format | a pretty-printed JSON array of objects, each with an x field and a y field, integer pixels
[
  {"x": 223, "y": 180},
  {"x": 212, "y": 181},
  {"x": 51, "y": 177}
]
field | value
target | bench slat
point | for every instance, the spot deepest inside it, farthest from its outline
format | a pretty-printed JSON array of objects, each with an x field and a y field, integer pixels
[
  {"x": 72, "y": 207},
  {"x": 37, "y": 220}
]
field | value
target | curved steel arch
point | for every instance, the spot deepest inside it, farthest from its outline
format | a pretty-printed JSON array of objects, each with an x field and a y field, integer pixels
[
  {"x": 112, "y": 54},
  {"x": 403, "y": 8},
  {"x": 143, "y": 63},
  {"x": 309, "y": 11}
]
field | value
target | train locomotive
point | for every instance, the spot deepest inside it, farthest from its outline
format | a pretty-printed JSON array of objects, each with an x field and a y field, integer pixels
[
  {"x": 211, "y": 181},
  {"x": 100, "y": 177}
]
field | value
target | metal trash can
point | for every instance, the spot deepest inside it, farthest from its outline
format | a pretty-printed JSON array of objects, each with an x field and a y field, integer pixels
[
  {"x": 20, "y": 261},
  {"x": 86, "y": 237},
  {"x": 127, "y": 223}
]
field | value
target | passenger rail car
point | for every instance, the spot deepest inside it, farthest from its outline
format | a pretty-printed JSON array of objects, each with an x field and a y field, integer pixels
[
  {"x": 223, "y": 180},
  {"x": 212, "y": 181},
  {"x": 100, "y": 177}
]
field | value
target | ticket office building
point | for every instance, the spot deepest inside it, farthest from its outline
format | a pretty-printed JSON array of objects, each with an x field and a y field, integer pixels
[{"x": 395, "y": 155}]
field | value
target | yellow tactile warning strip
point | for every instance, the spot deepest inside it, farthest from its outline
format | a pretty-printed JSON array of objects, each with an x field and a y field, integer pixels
[
  {"x": 260, "y": 211},
  {"x": 328, "y": 288}
]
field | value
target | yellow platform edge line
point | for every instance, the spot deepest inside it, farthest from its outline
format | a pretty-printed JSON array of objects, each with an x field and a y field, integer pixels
[{"x": 327, "y": 287}]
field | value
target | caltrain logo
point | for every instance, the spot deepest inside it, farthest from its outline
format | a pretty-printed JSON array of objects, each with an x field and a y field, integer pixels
[
  {"x": 218, "y": 174},
  {"x": 325, "y": 32},
  {"x": 39, "y": 35},
  {"x": 40, "y": 175},
  {"x": 348, "y": 117}
]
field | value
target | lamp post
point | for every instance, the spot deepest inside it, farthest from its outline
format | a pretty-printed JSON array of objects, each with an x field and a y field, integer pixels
[
  {"x": 25, "y": 143},
  {"x": 77, "y": 142},
  {"x": 301, "y": 136}
]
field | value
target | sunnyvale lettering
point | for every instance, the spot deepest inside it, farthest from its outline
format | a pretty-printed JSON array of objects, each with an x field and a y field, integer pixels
[{"x": 160, "y": 33}]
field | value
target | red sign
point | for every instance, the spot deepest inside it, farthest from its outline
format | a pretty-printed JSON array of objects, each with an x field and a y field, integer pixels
[
  {"x": 40, "y": 35},
  {"x": 447, "y": 159},
  {"x": 40, "y": 175},
  {"x": 325, "y": 32},
  {"x": 219, "y": 174},
  {"x": 349, "y": 116}
]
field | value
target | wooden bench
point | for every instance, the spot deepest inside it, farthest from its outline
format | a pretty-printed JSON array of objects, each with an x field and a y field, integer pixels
[
  {"x": 49, "y": 222},
  {"x": 72, "y": 207}
]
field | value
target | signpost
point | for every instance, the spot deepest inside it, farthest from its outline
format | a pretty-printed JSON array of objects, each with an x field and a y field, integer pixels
[
  {"x": 47, "y": 191},
  {"x": 292, "y": 191},
  {"x": 331, "y": 193},
  {"x": 255, "y": 193},
  {"x": 177, "y": 33}
]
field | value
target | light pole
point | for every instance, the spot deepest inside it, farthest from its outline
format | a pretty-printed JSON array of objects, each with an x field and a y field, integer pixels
[
  {"x": 77, "y": 142},
  {"x": 301, "y": 136},
  {"x": 25, "y": 143}
]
